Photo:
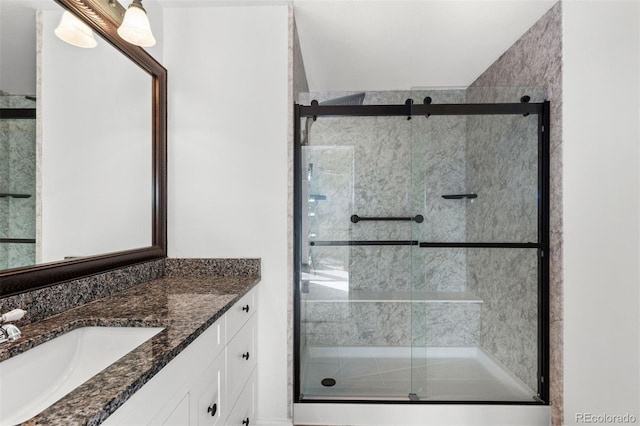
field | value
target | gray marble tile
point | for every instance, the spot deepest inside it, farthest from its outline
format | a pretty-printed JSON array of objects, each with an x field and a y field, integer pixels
[
  {"x": 17, "y": 176},
  {"x": 388, "y": 166},
  {"x": 19, "y": 255},
  {"x": 502, "y": 168},
  {"x": 506, "y": 281},
  {"x": 445, "y": 324},
  {"x": 536, "y": 60},
  {"x": 439, "y": 269},
  {"x": 391, "y": 323}
]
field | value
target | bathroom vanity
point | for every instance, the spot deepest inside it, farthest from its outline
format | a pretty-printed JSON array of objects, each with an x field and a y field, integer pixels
[
  {"x": 200, "y": 368},
  {"x": 211, "y": 382}
]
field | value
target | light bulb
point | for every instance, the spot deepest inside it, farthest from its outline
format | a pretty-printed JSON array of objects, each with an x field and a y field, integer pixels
[
  {"x": 73, "y": 31},
  {"x": 135, "y": 27}
]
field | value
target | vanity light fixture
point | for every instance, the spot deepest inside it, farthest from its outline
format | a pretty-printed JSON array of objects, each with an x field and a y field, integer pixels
[
  {"x": 73, "y": 31},
  {"x": 135, "y": 27}
]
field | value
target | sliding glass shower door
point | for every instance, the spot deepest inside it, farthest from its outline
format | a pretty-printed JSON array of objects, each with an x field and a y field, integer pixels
[
  {"x": 421, "y": 225},
  {"x": 355, "y": 257},
  {"x": 476, "y": 271}
]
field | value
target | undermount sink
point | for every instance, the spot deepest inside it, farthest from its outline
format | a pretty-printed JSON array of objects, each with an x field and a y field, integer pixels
[{"x": 37, "y": 378}]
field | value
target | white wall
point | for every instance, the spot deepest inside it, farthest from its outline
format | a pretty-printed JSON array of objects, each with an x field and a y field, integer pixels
[
  {"x": 228, "y": 72},
  {"x": 601, "y": 208},
  {"x": 17, "y": 49},
  {"x": 96, "y": 141}
]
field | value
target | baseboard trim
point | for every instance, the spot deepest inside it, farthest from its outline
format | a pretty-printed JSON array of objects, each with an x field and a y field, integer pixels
[{"x": 421, "y": 414}]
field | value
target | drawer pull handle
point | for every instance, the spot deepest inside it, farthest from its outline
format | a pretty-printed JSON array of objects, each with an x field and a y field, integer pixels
[
  {"x": 246, "y": 356},
  {"x": 212, "y": 409},
  {"x": 246, "y": 421},
  {"x": 246, "y": 308}
]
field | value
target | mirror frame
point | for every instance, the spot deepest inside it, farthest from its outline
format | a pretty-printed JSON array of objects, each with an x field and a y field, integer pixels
[{"x": 28, "y": 278}]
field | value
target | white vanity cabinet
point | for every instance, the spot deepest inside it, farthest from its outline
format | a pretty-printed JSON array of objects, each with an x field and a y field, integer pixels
[
  {"x": 207, "y": 397},
  {"x": 211, "y": 382}
]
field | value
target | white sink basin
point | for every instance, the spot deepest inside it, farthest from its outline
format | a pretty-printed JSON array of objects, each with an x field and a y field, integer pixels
[{"x": 37, "y": 378}]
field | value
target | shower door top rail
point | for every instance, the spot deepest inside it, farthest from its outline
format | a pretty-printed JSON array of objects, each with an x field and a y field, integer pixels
[{"x": 409, "y": 109}]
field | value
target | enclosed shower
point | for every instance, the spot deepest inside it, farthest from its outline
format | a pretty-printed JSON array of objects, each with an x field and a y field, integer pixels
[
  {"x": 421, "y": 246},
  {"x": 17, "y": 180}
]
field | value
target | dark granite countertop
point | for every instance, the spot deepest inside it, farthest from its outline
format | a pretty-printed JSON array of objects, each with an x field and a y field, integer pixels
[{"x": 184, "y": 306}]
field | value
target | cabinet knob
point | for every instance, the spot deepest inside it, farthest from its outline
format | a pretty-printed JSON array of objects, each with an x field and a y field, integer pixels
[
  {"x": 246, "y": 356},
  {"x": 246, "y": 421},
  {"x": 213, "y": 409},
  {"x": 246, "y": 308}
]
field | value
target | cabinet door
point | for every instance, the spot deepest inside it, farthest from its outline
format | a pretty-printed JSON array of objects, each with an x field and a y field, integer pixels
[
  {"x": 241, "y": 358},
  {"x": 243, "y": 413},
  {"x": 177, "y": 415},
  {"x": 208, "y": 399}
]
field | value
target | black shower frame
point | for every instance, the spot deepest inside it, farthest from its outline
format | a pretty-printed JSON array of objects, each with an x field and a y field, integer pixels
[{"x": 409, "y": 109}]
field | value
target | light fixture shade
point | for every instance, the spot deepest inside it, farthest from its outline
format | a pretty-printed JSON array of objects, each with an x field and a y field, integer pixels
[
  {"x": 73, "y": 31},
  {"x": 135, "y": 27}
]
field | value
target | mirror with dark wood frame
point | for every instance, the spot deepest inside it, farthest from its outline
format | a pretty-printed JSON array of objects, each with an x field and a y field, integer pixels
[{"x": 104, "y": 20}]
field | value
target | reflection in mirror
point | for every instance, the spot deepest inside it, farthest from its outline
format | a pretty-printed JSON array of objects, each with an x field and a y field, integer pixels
[
  {"x": 97, "y": 163},
  {"x": 17, "y": 134},
  {"x": 96, "y": 149},
  {"x": 82, "y": 183}
]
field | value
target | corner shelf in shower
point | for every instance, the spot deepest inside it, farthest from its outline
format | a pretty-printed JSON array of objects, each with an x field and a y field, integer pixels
[{"x": 11, "y": 195}]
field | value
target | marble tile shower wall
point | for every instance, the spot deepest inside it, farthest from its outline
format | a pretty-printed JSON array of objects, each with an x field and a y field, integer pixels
[
  {"x": 438, "y": 168},
  {"x": 392, "y": 323},
  {"x": 388, "y": 166},
  {"x": 502, "y": 161},
  {"x": 17, "y": 176}
]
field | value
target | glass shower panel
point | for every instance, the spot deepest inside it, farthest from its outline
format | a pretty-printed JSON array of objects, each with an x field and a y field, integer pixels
[
  {"x": 327, "y": 188},
  {"x": 502, "y": 171},
  {"x": 355, "y": 278},
  {"x": 475, "y": 178},
  {"x": 438, "y": 276},
  {"x": 482, "y": 347}
]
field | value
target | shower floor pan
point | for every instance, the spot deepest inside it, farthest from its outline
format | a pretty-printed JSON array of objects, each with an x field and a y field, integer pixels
[{"x": 383, "y": 373}]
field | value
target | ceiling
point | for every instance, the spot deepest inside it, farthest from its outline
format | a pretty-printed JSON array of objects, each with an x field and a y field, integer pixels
[
  {"x": 350, "y": 45},
  {"x": 399, "y": 44}
]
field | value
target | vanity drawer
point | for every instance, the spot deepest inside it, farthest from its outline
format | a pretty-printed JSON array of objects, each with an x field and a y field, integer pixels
[
  {"x": 241, "y": 358},
  {"x": 243, "y": 413},
  {"x": 240, "y": 313}
]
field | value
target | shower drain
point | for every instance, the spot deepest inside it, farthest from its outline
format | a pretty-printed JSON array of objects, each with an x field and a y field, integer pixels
[{"x": 328, "y": 382}]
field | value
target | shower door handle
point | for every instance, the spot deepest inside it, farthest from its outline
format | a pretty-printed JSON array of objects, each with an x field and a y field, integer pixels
[{"x": 417, "y": 218}]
